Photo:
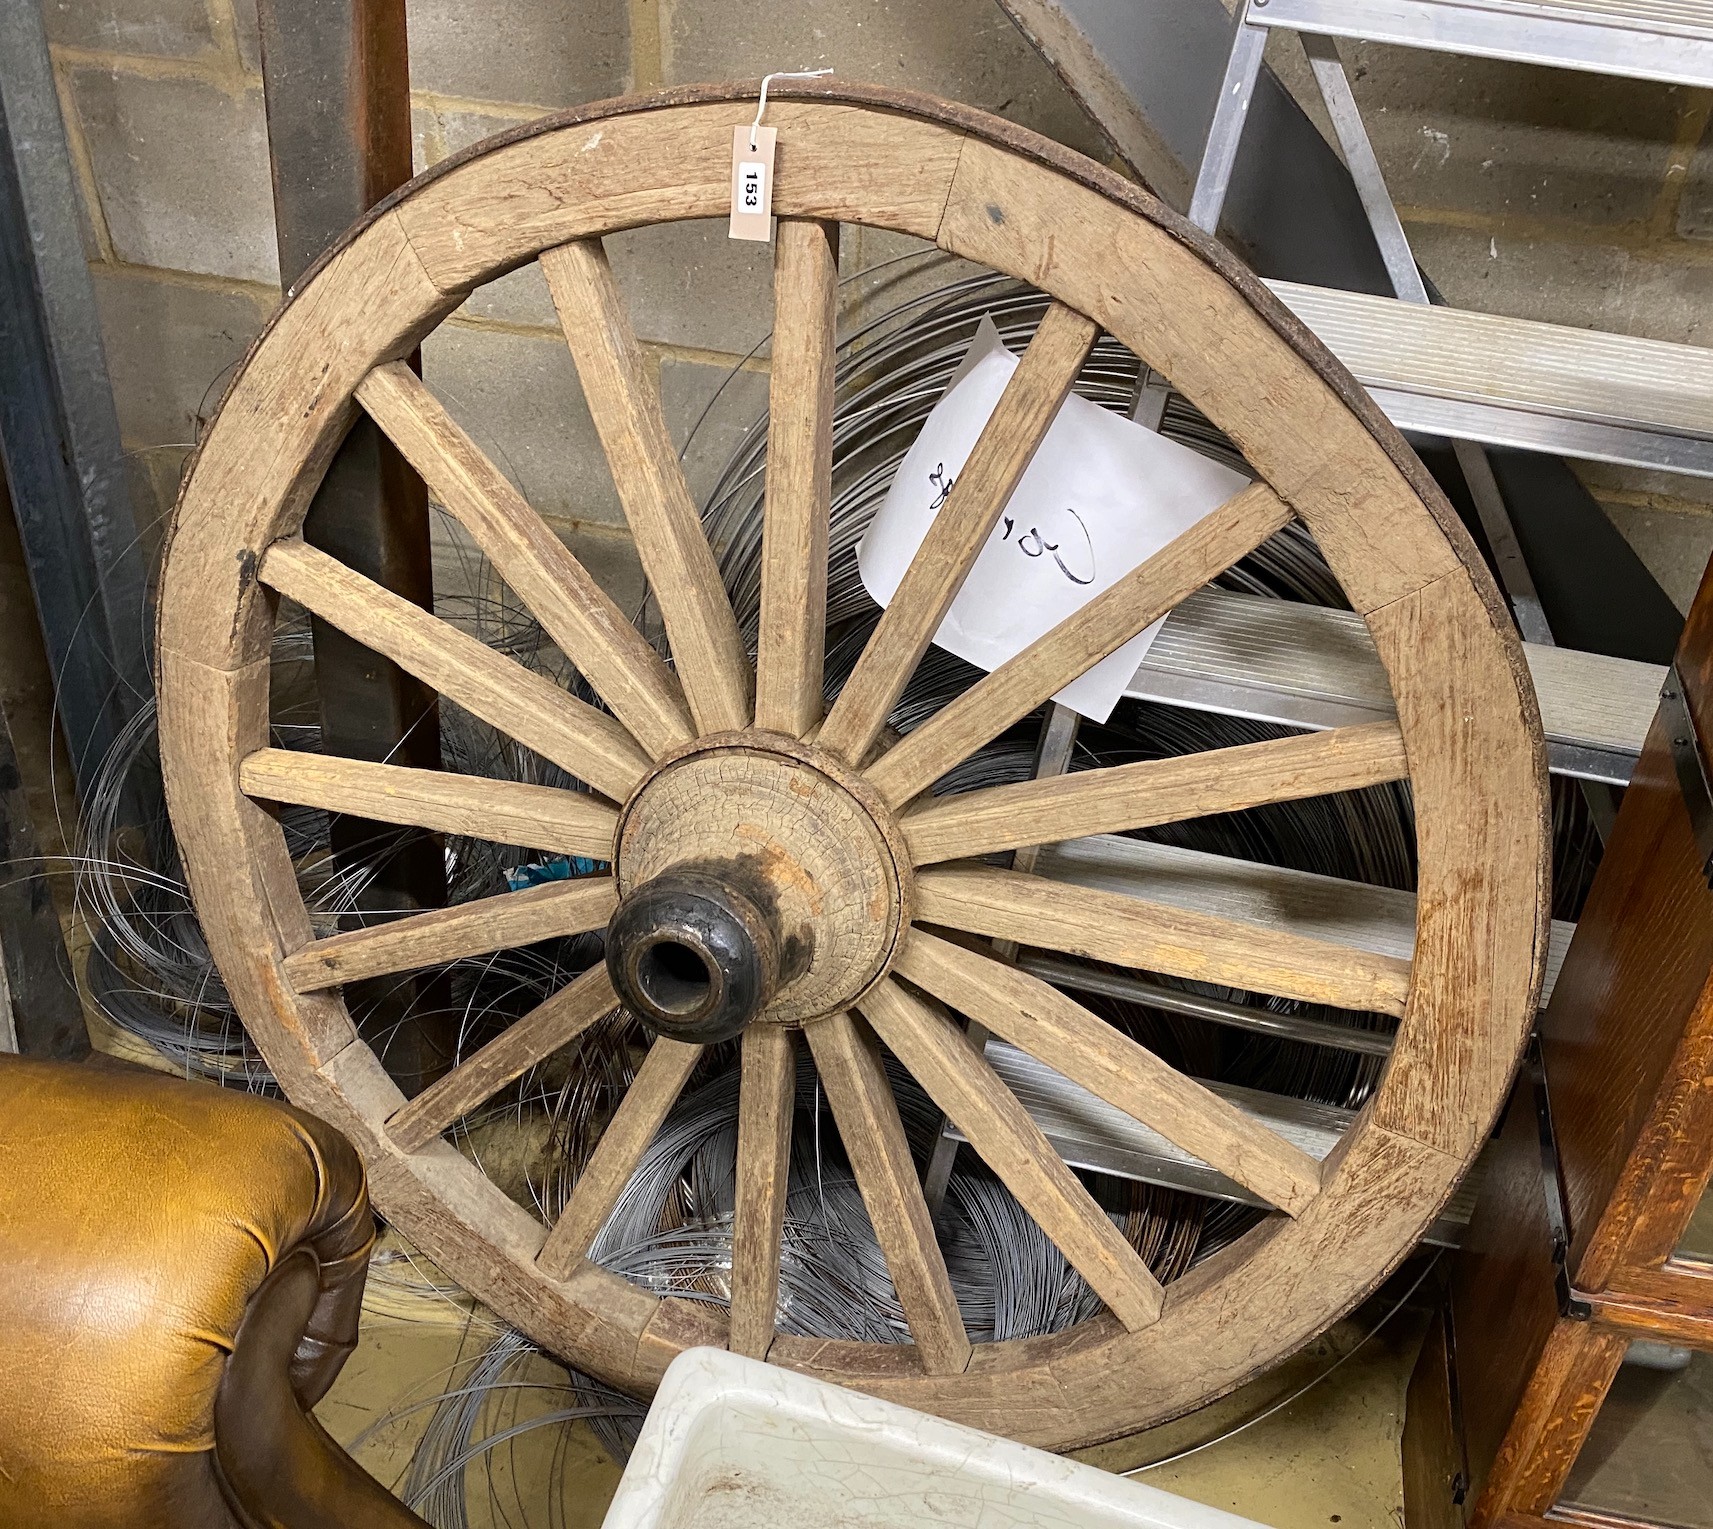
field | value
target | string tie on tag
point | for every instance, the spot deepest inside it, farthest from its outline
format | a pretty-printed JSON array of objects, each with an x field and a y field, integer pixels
[{"x": 783, "y": 74}]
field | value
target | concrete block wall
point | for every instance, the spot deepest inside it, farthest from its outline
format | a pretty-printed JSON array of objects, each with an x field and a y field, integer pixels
[
  {"x": 1541, "y": 193},
  {"x": 163, "y": 104}
]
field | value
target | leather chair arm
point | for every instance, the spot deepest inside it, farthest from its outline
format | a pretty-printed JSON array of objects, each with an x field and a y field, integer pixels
[
  {"x": 276, "y": 1464},
  {"x": 181, "y": 1276}
]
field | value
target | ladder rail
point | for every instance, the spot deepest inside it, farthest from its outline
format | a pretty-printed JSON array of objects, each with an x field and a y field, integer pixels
[{"x": 1665, "y": 40}]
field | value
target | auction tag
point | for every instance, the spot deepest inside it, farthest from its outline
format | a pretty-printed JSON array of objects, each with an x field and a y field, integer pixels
[{"x": 752, "y": 183}]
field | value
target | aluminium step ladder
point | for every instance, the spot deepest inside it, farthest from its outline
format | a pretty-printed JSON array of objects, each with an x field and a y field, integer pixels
[
  {"x": 1477, "y": 379},
  {"x": 1089, "y": 1133}
]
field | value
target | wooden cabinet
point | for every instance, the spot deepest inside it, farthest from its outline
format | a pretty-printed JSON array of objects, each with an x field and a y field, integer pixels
[{"x": 1522, "y": 1409}]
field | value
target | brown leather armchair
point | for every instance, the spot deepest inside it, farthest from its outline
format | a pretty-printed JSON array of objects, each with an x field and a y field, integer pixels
[{"x": 181, "y": 1272}]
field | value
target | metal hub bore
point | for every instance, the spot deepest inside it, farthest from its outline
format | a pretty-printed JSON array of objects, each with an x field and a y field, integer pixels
[{"x": 692, "y": 956}]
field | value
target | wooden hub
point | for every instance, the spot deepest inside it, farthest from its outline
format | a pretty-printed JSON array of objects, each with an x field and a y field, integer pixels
[{"x": 775, "y": 830}]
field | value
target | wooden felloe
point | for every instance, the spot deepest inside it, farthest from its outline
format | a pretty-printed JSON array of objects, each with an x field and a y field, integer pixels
[{"x": 719, "y": 775}]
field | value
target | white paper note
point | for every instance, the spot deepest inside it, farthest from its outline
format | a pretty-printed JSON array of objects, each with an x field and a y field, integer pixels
[{"x": 1101, "y": 495}]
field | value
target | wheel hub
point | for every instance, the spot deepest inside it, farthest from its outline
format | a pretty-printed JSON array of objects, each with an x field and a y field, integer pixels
[{"x": 759, "y": 881}]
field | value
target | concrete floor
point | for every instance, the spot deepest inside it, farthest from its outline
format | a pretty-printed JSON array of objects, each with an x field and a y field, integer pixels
[{"x": 1329, "y": 1457}]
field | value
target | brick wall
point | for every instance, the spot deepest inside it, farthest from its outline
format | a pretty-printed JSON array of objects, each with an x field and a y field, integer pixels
[
  {"x": 163, "y": 102},
  {"x": 1545, "y": 194}
]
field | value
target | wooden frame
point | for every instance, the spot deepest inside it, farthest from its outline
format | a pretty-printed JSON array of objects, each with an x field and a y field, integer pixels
[
  {"x": 1467, "y": 737},
  {"x": 1627, "y": 1052}
]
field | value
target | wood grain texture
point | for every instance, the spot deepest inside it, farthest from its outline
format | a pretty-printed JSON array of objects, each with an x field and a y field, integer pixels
[
  {"x": 654, "y": 1090},
  {"x": 1431, "y": 1445},
  {"x": 1086, "y": 1049},
  {"x": 624, "y": 401},
  {"x": 958, "y": 1079},
  {"x": 500, "y": 811},
  {"x": 791, "y": 639},
  {"x": 448, "y": 934},
  {"x": 767, "y": 1090},
  {"x": 524, "y": 705},
  {"x": 283, "y": 418},
  {"x": 1003, "y": 452},
  {"x": 559, "y": 591},
  {"x": 1627, "y": 1032},
  {"x": 1627, "y": 1046},
  {"x": 1078, "y": 642},
  {"x": 1559, "y": 1405},
  {"x": 1682, "y": 1317},
  {"x": 464, "y": 1220},
  {"x": 863, "y": 1106},
  {"x": 1478, "y": 778},
  {"x": 1503, "y": 1298},
  {"x": 554, "y": 1023},
  {"x": 1133, "y": 932},
  {"x": 238, "y": 865},
  {"x": 592, "y": 171},
  {"x": 1154, "y": 791},
  {"x": 831, "y": 871}
]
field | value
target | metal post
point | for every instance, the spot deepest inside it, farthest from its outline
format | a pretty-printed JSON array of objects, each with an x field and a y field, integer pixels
[
  {"x": 1225, "y": 132},
  {"x": 1364, "y": 166},
  {"x": 59, "y": 431},
  {"x": 1407, "y": 282},
  {"x": 1150, "y": 75},
  {"x": 337, "y": 83}
]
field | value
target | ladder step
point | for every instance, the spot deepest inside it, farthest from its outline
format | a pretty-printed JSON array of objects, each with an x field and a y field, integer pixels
[
  {"x": 1517, "y": 382},
  {"x": 1089, "y": 1133},
  {"x": 1312, "y": 667},
  {"x": 1381, "y": 920},
  {"x": 1670, "y": 40}
]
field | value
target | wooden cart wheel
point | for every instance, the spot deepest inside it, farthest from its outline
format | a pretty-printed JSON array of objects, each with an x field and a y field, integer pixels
[{"x": 776, "y": 870}]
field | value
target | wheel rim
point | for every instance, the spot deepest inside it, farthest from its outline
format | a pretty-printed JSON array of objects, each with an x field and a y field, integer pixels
[{"x": 1467, "y": 737}]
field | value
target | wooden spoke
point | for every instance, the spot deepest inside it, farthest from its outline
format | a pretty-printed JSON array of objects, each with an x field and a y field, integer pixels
[
  {"x": 959, "y": 1079},
  {"x": 1007, "y": 445},
  {"x": 501, "y": 811},
  {"x": 449, "y": 934},
  {"x": 1062, "y": 1033},
  {"x": 867, "y": 1114},
  {"x": 575, "y": 611},
  {"x": 541, "y": 1032},
  {"x": 533, "y": 710},
  {"x": 658, "y": 1083},
  {"x": 624, "y": 401},
  {"x": 1081, "y": 640},
  {"x": 1131, "y": 931},
  {"x": 767, "y": 1091},
  {"x": 1155, "y": 791},
  {"x": 792, "y": 636}
]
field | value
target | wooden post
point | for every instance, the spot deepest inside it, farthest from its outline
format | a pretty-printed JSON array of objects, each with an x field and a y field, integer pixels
[
  {"x": 1543, "y": 1307},
  {"x": 337, "y": 80}
]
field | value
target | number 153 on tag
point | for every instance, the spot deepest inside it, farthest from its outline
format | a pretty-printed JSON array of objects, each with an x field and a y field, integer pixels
[{"x": 752, "y": 184}]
